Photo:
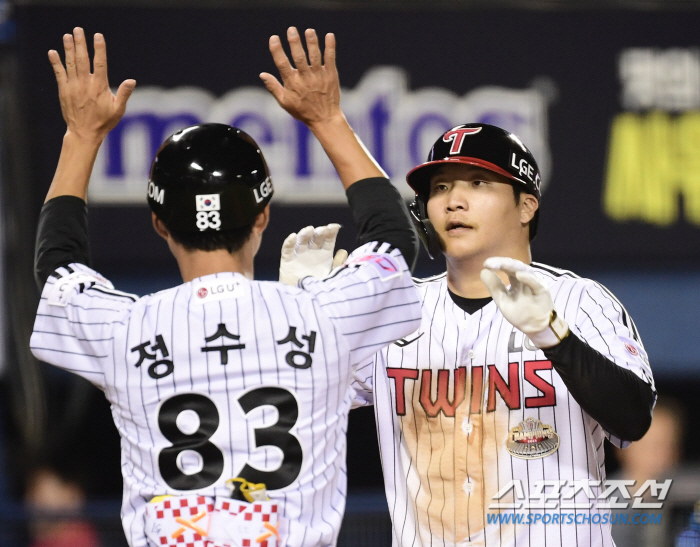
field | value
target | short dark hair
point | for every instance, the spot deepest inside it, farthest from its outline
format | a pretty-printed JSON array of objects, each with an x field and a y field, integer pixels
[{"x": 231, "y": 240}]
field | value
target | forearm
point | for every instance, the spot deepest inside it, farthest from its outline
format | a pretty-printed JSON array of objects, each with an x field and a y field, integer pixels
[
  {"x": 614, "y": 396},
  {"x": 380, "y": 214},
  {"x": 350, "y": 158},
  {"x": 75, "y": 164},
  {"x": 62, "y": 236}
]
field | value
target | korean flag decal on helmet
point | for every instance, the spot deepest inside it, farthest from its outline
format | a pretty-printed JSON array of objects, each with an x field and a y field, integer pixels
[{"x": 208, "y": 207}]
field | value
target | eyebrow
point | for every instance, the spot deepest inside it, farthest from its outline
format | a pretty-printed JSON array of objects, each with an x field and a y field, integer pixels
[{"x": 478, "y": 172}]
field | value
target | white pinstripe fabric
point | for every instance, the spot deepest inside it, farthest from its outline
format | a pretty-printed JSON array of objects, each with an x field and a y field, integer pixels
[
  {"x": 354, "y": 313},
  {"x": 441, "y": 471}
]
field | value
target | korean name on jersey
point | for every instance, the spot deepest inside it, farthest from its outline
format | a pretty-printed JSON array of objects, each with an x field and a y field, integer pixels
[{"x": 258, "y": 373}]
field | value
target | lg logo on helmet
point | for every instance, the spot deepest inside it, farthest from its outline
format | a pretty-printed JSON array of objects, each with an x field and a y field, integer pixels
[
  {"x": 265, "y": 190},
  {"x": 208, "y": 207},
  {"x": 525, "y": 169}
]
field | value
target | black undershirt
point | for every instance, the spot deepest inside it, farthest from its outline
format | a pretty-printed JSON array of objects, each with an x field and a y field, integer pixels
[
  {"x": 381, "y": 215},
  {"x": 61, "y": 238},
  {"x": 469, "y": 305}
]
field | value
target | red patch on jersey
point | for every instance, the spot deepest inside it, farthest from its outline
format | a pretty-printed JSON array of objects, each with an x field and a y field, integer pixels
[
  {"x": 202, "y": 292},
  {"x": 632, "y": 349}
]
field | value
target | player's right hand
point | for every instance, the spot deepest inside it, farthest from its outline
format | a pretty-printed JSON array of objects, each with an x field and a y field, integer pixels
[
  {"x": 88, "y": 105},
  {"x": 527, "y": 304},
  {"x": 310, "y": 253},
  {"x": 311, "y": 91}
]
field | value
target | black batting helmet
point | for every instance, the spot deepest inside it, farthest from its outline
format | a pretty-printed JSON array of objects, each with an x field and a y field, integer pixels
[
  {"x": 478, "y": 144},
  {"x": 208, "y": 177}
]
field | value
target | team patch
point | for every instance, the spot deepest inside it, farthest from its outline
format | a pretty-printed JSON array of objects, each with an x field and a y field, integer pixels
[
  {"x": 212, "y": 291},
  {"x": 63, "y": 288},
  {"x": 386, "y": 265},
  {"x": 208, "y": 202},
  {"x": 632, "y": 350},
  {"x": 532, "y": 439}
]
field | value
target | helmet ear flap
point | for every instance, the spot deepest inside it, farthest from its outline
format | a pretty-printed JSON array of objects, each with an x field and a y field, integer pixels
[{"x": 424, "y": 227}]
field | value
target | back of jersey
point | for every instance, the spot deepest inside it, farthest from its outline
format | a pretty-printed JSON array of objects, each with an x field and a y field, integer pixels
[{"x": 223, "y": 377}]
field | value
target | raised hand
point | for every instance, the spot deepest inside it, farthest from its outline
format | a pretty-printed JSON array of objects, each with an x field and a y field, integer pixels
[
  {"x": 88, "y": 106},
  {"x": 311, "y": 91},
  {"x": 527, "y": 304},
  {"x": 89, "y": 109}
]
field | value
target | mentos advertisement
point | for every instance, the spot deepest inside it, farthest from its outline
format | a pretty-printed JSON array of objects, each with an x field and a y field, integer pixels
[{"x": 613, "y": 121}]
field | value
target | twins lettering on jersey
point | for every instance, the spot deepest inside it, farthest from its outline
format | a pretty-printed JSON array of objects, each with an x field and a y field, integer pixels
[
  {"x": 507, "y": 389},
  {"x": 161, "y": 367}
]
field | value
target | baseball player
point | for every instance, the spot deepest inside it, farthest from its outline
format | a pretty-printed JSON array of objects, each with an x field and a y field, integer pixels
[
  {"x": 231, "y": 396},
  {"x": 492, "y": 415}
]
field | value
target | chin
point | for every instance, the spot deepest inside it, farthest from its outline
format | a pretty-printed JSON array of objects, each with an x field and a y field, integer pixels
[{"x": 462, "y": 250}]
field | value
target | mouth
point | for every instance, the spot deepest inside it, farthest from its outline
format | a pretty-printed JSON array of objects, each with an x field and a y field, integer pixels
[{"x": 457, "y": 226}]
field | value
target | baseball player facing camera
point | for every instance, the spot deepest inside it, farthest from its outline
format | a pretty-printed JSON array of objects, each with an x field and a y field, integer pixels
[
  {"x": 231, "y": 396},
  {"x": 516, "y": 375}
]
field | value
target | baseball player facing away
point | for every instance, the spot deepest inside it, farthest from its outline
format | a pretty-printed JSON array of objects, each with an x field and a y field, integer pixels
[
  {"x": 491, "y": 416},
  {"x": 231, "y": 396}
]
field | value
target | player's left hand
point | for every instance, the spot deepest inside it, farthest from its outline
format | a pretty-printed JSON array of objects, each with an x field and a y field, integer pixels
[
  {"x": 527, "y": 303},
  {"x": 310, "y": 253}
]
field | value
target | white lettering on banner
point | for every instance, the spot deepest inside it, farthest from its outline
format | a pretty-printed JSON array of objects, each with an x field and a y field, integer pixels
[
  {"x": 398, "y": 126},
  {"x": 664, "y": 79}
]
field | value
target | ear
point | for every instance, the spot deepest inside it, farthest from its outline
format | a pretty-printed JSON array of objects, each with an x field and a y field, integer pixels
[
  {"x": 262, "y": 220},
  {"x": 528, "y": 207},
  {"x": 159, "y": 227}
]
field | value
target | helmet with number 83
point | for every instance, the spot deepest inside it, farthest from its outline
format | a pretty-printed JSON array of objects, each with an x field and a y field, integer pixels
[{"x": 208, "y": 177}]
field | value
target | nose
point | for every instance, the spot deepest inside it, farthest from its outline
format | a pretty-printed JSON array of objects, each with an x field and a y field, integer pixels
[{"x": 456, "y": 199}]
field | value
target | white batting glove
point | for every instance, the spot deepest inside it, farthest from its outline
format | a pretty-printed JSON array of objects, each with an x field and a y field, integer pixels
[
  {"x": 527, "y": 303},
  {"x": 310, "y": 252}
]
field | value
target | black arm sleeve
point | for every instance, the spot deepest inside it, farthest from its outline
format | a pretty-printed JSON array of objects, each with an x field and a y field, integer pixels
[
  {"x": 381, "y": 215},
  {"x": 615, "y": 397},
  {"x": 62, "y": 236}
]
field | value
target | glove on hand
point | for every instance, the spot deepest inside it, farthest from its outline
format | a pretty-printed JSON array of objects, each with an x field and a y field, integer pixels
[
  {"x": 527, "y": 303},
  {"x": 310, "y": 252}
]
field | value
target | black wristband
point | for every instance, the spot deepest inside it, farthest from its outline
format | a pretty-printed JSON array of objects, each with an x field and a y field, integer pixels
[
  {"x": 381, "y": 215},
  {"x": 62, "y": 236}
]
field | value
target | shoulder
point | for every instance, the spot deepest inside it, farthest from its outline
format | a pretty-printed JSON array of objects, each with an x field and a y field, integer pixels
[
  {"x": 76, "y": 285},
  {"x": 275, "y": 288},
  {"x": 430, "y": 285},
  {"x": 555, "y": 274},
  {"x": 561, "y": 276}
]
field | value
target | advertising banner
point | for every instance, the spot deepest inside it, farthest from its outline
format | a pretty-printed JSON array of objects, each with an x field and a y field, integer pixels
[{"x": 608, "y": 102}]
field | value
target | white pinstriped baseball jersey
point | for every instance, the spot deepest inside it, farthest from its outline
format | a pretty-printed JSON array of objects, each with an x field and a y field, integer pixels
[
  {"x": 447, "y": 396},
  {"x": 224, "y": 377}
]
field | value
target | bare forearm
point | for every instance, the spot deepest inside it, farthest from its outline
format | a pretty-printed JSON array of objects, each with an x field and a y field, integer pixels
[
  {"x": 74, "y": 166},
  {"x": 350, "y": 158}
]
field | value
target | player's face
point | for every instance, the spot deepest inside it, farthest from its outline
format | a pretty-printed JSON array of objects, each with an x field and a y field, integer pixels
[{"x": 475, "y": 214}]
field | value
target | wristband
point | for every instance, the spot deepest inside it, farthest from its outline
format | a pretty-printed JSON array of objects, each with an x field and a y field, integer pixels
[{"x": 556, "y": 331}]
